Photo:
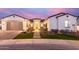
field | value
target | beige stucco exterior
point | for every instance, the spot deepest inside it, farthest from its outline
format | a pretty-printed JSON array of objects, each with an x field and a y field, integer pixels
[{"x": 15, "y": 22}]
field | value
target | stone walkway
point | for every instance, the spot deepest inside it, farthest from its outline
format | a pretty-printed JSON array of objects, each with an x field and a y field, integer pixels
[{"x": 36, "y": 35}]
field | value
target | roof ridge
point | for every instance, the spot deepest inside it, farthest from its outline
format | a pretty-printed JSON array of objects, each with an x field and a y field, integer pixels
[
  {"x": 15, "y": 15},
  {"x": 57, "y": 14}
]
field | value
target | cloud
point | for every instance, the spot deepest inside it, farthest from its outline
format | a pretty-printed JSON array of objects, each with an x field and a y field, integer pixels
[
  {"x": 31, "y": 15},
  {"x": 56, "y": 10},
  {"x": 3, "y": 9}
]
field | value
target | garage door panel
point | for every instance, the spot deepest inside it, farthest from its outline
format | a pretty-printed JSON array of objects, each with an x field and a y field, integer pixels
[{"x": 14, "y": 25}]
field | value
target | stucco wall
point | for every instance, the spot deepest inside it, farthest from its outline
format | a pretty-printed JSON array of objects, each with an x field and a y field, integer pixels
[
  {"x": 52, "y": 22},
  {"x": 15, "y": 18},
  {"x": 72, "y": 21}
]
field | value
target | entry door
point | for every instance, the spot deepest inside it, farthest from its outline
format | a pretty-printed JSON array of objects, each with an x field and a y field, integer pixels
[
  {"x": 14, "y": 25},
  {"x": 36, "y": 26}
]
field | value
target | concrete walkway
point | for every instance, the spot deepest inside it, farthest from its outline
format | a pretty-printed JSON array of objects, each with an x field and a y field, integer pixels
[
  {"x": 39, "y": 44},
  {"x": 36, "y": 35},
  {"x": 8, "y": 34}
]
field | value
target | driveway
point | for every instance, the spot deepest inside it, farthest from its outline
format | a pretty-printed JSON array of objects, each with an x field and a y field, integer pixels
[
  {"x": 39, "y": 44},
  {"x": 8, "y": 34}
]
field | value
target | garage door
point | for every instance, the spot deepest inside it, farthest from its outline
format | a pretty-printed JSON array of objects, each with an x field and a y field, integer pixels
[{"x": 14, "y": 25}]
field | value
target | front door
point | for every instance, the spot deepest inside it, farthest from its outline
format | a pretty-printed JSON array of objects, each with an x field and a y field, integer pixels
[{"x": 36, "y": 26}]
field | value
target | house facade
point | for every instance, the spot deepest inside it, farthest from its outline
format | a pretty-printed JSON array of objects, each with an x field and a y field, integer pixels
[
  {"x": 19, "y": 23},
  {"x": 61, "y": 21},
  {"x": 13, "y": 22}
]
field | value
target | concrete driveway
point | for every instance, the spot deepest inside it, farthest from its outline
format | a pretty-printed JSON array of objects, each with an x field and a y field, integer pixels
[{"x": 8, "y": 34}]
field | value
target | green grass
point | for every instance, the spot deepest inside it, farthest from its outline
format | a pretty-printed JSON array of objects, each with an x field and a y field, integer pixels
[
  {"x": 24, "y": 36},
  {"x": 46, "y": 36},
  {"x": 58, "y": 36}
]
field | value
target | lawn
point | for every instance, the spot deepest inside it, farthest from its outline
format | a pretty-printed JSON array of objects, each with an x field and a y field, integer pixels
[
  {"x": 24, "y": 36},
  {"x": 58, "y": 36}
]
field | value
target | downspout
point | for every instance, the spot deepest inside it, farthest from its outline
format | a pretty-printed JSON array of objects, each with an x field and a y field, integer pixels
[{"x": 57, "y": 25}]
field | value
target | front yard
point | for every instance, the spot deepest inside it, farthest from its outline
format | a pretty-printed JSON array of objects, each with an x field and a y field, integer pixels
[
  {"x": 47, "y": 35},
  {"x": 24, "y": 36}
]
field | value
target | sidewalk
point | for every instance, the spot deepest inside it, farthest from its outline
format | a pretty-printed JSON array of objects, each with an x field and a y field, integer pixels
[
  {"x": 37, "y": 41},
  {"x": 39, "y": 44}
]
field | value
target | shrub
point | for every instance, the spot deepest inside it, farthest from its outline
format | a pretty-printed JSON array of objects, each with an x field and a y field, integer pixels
[{"x": 54, "y": 30}]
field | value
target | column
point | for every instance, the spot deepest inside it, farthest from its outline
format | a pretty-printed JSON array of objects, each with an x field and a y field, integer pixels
[
  {"x": 48, "y": 22},
  {"x": 4, "y": 27},
  {"x": 24, "y": 25}
]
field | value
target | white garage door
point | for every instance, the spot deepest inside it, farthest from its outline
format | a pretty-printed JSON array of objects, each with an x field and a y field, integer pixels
[{"x": 14, "y": 25}]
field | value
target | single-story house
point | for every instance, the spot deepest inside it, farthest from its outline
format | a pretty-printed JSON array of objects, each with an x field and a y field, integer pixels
[
  {"x": 60, "y": 21},
  {"x": 20, "y": 23}
]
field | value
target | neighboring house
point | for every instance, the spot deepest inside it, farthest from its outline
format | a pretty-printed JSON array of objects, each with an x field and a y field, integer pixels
[{"x": 63, "y": 21}]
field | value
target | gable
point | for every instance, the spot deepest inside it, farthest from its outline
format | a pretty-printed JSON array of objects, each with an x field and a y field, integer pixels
[
  {"x": 13, "y": 17},
  {"x": 67, "y": 15}
]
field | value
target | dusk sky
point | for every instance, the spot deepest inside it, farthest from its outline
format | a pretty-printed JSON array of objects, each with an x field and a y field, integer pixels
[{"x": 37, "y": 12}]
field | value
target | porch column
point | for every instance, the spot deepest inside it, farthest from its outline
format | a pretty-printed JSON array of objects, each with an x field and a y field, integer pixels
[
  {"x": 24, "y": 26},
  {"x": 4, "y": 25},
  {"x": 48, "y": 22}
]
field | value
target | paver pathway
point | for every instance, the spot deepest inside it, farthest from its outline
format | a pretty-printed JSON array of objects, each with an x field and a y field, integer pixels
[{"x": 36, "y": 35}]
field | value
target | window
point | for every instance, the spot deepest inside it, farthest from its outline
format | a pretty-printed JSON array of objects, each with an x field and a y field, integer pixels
[{"x": 66, "y": 23}]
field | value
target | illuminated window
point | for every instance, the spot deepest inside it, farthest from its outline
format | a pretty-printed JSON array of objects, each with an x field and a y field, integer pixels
[{"x": 66, "y": 23}]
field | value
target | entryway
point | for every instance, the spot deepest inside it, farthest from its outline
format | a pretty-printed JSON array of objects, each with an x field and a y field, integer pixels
[{"x": 36, "y": 25}]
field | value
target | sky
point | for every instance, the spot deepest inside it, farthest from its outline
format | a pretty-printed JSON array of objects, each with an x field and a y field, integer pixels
[{"x": 37, "y": 12}]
